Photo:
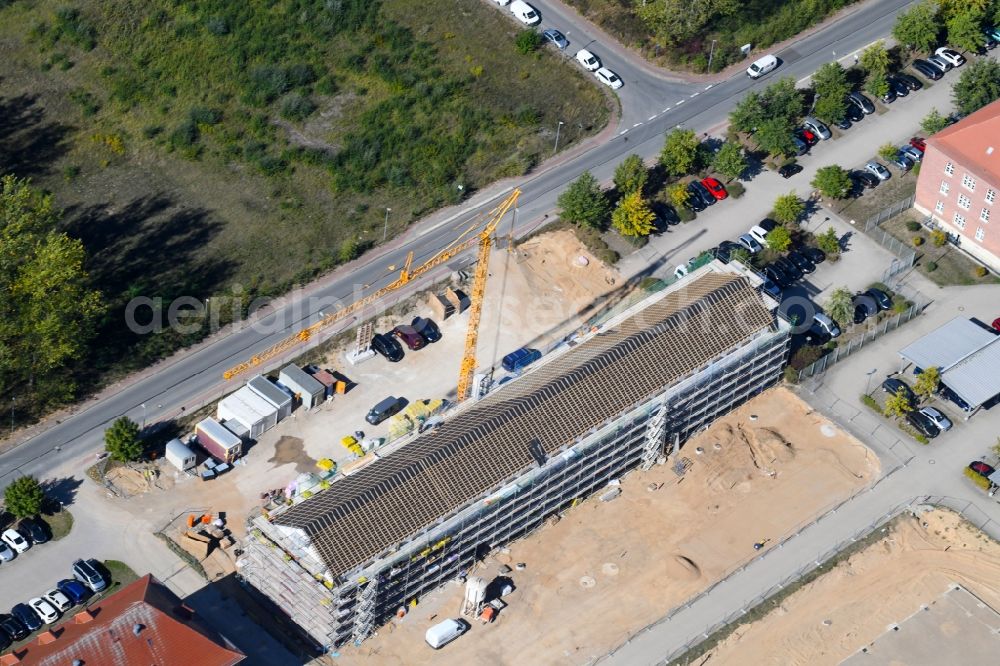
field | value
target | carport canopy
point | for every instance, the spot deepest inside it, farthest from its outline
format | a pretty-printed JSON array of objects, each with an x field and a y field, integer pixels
[{"x": 967, "y": 355}]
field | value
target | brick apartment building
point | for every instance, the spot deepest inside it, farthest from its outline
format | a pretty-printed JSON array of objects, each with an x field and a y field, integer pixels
[{"x": 960, "y": 180}]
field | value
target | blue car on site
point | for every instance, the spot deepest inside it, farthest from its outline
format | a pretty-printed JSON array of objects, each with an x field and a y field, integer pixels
[
  {"x": 76, "y": 591},
  {"x": 523, "y": 357}
]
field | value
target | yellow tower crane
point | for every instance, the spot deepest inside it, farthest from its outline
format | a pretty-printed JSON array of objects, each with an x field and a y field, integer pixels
[{"x": 464, "y": 241}]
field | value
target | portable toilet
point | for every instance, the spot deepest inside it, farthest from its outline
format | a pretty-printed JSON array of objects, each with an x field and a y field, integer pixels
[{"x": 180, "y": 455}]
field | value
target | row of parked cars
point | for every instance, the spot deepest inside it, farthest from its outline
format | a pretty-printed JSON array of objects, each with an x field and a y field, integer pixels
[
  {"x": 25, "y": 618},
  {"x": 16, "y": 540},
  {"x": 928, "y": 421},
  {"x": 415, "y": 335}
]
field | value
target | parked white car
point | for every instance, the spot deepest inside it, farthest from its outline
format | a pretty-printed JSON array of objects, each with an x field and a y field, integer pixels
[
  {"x": 951, "y": 56},
  {"x": 762, "y": 66},
  {"x": 14, "y": 539},
  {"x": 823, "y": 323},
  {"x": 877, "y": 170},
  {"x": 46, "y": 611},
  {"x": 608, "y": 78},
  {"x": 58, "y": 599},
  {"x": 760, "y": 230},
  {"x": 6, "y": 554},
  {"x": 750, "y": 243},
  {"x": 524, "y": 12},
  {"x": 589, "y": 61}
]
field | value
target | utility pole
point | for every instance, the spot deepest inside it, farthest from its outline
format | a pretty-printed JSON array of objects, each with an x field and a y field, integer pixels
[
  {"x": 711, "y": 52},
  {"x": 13, "y": 401},
  {"x": 558, "y": 127},
  {"x": 385, "y": 227}
]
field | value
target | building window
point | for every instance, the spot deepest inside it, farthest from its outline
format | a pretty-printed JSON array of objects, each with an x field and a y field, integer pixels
[
  {"x": 964, "y": 201},
  {"x": 969, "y": 182},
  {"x": 985, "y": 215},
  {"x": 949, "y": 169},
  {"x": 979, "y": 234},
  {"x": 990, "y": 196},
  {"x": 944, "y": 187},
  {"x": 959, "y": 221},
  {"x": 939, "y": 207}
]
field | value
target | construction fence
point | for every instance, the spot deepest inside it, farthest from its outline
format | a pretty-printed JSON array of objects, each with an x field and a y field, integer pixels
[{"x": 822, "y": 562}]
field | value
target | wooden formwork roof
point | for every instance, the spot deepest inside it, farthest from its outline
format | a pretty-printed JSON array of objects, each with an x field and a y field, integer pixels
[{"x": 469, "y": 455}]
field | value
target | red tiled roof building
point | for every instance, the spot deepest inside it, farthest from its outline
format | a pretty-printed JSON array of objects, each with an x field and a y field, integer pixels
[
  {"x": 144, "y": 624},
  {"x": 959, "y": 183}
]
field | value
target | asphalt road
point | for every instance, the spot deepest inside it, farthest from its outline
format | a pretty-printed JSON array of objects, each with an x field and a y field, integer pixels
[{"x": 185, "y": 382}]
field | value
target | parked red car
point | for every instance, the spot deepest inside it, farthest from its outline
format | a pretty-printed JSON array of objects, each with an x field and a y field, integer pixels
[
  {"x": 996, "y": 324},
  {"x": 715, "y": 187},
  {"x": 918, "y": 143},
  {"x": 981, "y": 468},
  {"x": 807, "y": 136}
]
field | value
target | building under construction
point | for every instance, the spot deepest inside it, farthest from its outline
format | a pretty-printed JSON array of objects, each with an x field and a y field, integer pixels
[{"x": 624, "y": 395}]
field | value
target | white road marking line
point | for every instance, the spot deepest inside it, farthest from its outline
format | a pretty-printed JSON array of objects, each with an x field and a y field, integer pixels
[
  {"x": 666, "y": 109},
  {"x": 709, "y": 86},
  {"x": 693, "y": 95},
  {"x": 679, "y": 103},
  {"x": 652, "y": 117},
  {"x": 636, "y": 125},
  {"x": 623, "y": 131}
]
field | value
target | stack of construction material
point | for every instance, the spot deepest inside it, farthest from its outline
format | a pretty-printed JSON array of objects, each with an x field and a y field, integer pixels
[{"x": 415, "y": 414}]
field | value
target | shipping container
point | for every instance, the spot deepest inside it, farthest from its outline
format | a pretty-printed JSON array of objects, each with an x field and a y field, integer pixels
[
  {"x": 279, "y": 399},
  {"x": 306, "y": 389},
  {"x": 253, "y": 411},
  {"x": 180, "y": 455},
  {"x": 218, "y": 441}
]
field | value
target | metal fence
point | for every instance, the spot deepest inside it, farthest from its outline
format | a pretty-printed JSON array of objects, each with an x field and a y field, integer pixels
[
  {"x": 906, "y": 254},
  {"x": 887, "y": 213},
  {"x": 823, "y": 560}
]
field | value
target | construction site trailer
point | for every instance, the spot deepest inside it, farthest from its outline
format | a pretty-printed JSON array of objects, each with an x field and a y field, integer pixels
[
  {"x": 253, "y": 411},
  {"x": 237, "y": 428},
  {"x": 180, "y": 456},
  {"x": 218, "y": 441},
  {"x": 323, "y": 377},
  {"x": 266, "y": 389},
  {"x": 307, "y": 389}
]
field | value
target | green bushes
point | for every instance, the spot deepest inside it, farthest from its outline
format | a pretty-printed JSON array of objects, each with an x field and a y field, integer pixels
[
  {"x": 527, "y": 41},
  {"x": 296, "y": 106},
  {"x": 912, "y": 225},
  {"x": 977, "y": 478},
  {"x": 931, "y": 266},
  {"x": 870, "y": 402},
  {"x": 736, "y": 190}
]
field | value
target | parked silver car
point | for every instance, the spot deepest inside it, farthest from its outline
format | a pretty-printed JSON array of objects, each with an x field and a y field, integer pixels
[{"x": 817, "y": 127}]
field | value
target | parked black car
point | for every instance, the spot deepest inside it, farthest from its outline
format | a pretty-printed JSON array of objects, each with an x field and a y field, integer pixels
[
  {"x": 883, "y": 300},
  {"x": 776, "y": 275},
  {"x": 802, "y": 262},
  {"x": 844, "y": 123},
  {"x": 860, "y": 314},
  {"x": 954, "y": 398},
  {"x": 814, "y": 254},
  {"x": 702, "y": 191},
  {"x": 13, "y": 627},
  {"x": 788, "y": 268},
  {"x": 923, "y": 424},
  {"x": 864, "y": 179},
  {"x": 789, "y": 170},
  {"x": 854, "y": 114},
  {"x": 694, "y": 201},
  {"x": 427, "y": 329},
  {"x": 890, "y": 95},
  {"x": 898, "y": 87},
  {"x": 893, "y": 385},
  {"x": 927, "y": 70},
  {"x": 27, "y": 616},
  {"x": 725, "y": 250},
  {"x": 35, "y": 530},
  {"x": 911, "y": 82},
  {"x": 387, "y": 346}
]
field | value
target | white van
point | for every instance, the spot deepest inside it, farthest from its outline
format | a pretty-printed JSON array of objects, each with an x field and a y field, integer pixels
[
  {"x": 445, "y": 632},
  {"x": 762, "y": 66},
  {"x": 524, "y": 12},
  {"x": 588, "y": 60}
]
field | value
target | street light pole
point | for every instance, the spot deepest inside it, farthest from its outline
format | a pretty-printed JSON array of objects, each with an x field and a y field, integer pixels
[
  {"x": 558, "y": 127},
  {"x": 868, "y": 386},
  {"x": 711, "y": 53},
  {"x": 13, "y": 401},
  {"x": 385, "y": 227}
]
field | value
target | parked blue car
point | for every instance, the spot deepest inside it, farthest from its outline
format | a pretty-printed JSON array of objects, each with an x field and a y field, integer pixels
[
  {"x": 522, "y": 358},
  {"x": 74, "y": 589}
]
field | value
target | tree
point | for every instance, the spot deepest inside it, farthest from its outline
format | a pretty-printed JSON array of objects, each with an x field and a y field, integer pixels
[
  {"x": 122, "y": 441},
  {"x": 828, "y": 241},
  {"x": 875, "y": 59},
  {"x": 918, "y": 28},
  {"x": 965, "y": 30},
  {"x": 778, "y": 239},
  {"x": 527, "y": 40},
  {"x": 775, "y": 137},
  {"x": 632, "y": 216},
  {"x": 741, "y": 255},
  {"x": 24, "y": 497},
  {"x": 978, "y": 86},
  {"x": 934, "y": 122},
  {"x": 839, "y": 305},
  {"x": 680, "y": 152},
  {"x": 748, "y": 113},
  {"x": 897, "y": 404},
  {"x": 888, "y": 151},
  {"x": 631, "y": 175},
  {"x": 730, "y": 160},
  {"x": 927, "y": 382},
  {"x": 783, "y": 100},
  {"x": 679, "y": 195},
  {"x": 832, "y": 181},
  {"x": 831, "y": 86},
  {"x": 788, "y": 208},
  {"x": 48, "y": 312},
  {"x": 583, "y": 202},
  {"x": 877, "y": 85}
]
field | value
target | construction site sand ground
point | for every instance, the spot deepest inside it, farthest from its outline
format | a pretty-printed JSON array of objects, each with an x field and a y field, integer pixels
[
  {"x": 904, "y": 580},
  {"x": 534, "y": 297},
  {"x": 606, "y": 569}
]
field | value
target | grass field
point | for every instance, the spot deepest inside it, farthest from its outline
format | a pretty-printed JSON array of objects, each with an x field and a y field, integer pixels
[{"x": 217, "y": 148}]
